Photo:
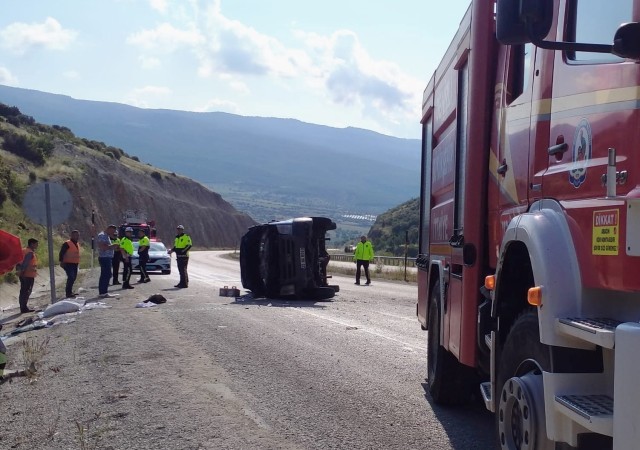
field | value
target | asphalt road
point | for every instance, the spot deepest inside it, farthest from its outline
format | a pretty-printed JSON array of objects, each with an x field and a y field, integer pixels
[
  {"x": 345, "y": 373},
  {"x": 207, "y": 372}
]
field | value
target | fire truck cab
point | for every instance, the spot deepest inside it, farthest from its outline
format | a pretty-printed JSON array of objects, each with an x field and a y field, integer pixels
[
  {"x": 138, "y": 221},
  {"x": 530, "y": 221}
]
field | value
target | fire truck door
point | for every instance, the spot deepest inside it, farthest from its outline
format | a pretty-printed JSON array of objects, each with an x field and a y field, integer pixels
[
  {"x": 592, "y": 100},
  {"x": 514, "y": 135}
]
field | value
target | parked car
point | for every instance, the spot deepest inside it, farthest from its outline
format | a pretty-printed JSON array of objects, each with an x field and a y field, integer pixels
[
  {"x": 349, "y": 248},
  {"x": 287, "y": 259},
  {"x": 159, "y": 258}
]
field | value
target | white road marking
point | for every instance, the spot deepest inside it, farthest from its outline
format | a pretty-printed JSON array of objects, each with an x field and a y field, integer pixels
[{"x": 361, "y": 328}]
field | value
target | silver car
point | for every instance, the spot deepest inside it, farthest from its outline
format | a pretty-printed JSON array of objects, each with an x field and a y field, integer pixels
[{"x": 159, "y": 258}]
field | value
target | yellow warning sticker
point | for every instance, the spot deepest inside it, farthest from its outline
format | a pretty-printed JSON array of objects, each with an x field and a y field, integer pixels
[{"x": 605, "y": 232}]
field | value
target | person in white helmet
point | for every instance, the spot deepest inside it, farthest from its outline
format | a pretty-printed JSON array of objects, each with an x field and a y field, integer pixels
[{"x": 181, "y": 249}]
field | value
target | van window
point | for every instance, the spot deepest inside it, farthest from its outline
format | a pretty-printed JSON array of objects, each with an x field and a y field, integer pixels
[{"x": 596, "y": 22}]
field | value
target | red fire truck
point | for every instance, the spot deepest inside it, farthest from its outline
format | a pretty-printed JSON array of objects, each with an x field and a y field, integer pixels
[
  {"x": 137, "y": 220},
  {"x": 529, "y": 280}
]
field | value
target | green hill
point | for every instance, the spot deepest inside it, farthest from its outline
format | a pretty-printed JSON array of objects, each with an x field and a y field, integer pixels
[
  {"x": 103, "y": 181},
  {"x": 389, "y": 232},
  {"x": 269, "y": 168}
]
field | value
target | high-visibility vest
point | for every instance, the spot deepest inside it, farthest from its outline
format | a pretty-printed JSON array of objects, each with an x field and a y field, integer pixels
[
  {"x": 144, "y": 242},
  {"x": 364, "y": 251},
  {"x": 126, "y": 245},
  {"x": 72, "y": 255},
  {"x": 182, "y": 241},
  {"x": 31, "y": 270}
]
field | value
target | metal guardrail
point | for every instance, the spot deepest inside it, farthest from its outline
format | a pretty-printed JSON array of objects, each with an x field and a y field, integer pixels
[{"x": 384, "y": 260}]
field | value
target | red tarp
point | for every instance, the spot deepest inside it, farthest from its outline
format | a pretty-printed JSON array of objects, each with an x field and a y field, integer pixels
[{"x": 10, "y": 251}]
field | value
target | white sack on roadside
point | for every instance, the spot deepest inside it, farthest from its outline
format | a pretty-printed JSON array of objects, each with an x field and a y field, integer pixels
[{"x": 61, "y": 307}]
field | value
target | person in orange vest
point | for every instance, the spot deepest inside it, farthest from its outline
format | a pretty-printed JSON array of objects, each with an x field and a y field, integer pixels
[
  {"x": 27, "y": 271},
  {"x": 69, "y": 258}
]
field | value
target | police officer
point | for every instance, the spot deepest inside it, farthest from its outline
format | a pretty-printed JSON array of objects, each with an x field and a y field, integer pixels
[
  {"x": 181, "y": 249},
  {"x": 117, "y": 257},
  {"x": 126, "y": 248},
  {"x": 143, "y": 255},
  {"x": 362, "y": 256}
]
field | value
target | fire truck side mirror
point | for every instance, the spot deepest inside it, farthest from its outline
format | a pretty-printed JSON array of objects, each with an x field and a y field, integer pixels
[
  {"x": 523, "y": 21},
  {"x": 626, "y": 42}
]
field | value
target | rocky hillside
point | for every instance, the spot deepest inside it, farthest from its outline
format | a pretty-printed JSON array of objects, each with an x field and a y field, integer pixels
[
  {"x": 104, "y": 179},
  {"x": 388, "y": 233}
]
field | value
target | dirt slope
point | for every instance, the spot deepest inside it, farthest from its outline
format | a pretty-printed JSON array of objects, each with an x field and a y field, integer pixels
[{"x": 109, "y": 187}]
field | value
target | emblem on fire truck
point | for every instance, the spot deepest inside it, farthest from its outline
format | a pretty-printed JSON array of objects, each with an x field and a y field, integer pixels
[{"x": 581, "y": 154}]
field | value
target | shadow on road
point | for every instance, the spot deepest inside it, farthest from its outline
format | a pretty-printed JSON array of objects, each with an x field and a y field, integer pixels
[
  {"x": 249, "y": 299},
  {"x": 468, "y": 427}
]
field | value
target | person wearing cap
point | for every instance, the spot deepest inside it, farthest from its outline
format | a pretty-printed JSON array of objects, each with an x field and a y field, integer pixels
[
  {"x": 105, "y": 257},
  {"x": 143, "y": 254},
  {"x": 117, "y": 258},
  {"x": 69, "y": 258},
  {"x": 181, "y": 248},
  {"x": 126, "y": 248}
]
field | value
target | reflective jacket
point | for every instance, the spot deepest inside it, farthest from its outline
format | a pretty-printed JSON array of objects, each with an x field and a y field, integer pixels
[
  {"x": 72, "y": 255},
  {"x": 31, "y": 270},
  {"x": 126, "y": 245},
  {"x": 364, "y": 251},
  {"x": 146, "y": 243},
  {"x": 182, "y": 245}
]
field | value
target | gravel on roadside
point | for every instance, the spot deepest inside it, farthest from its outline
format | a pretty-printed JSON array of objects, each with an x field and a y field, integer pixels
[{"x": 121, "y": 378}]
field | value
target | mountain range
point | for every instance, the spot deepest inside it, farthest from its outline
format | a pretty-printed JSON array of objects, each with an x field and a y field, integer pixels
[{"x": 269, "y": 168}]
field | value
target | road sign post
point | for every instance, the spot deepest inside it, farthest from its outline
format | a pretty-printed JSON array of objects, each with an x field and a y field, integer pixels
[{"x": 48, "y": 204}]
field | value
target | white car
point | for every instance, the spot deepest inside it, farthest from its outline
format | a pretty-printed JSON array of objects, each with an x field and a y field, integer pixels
[{"x": 159, "y": 258}]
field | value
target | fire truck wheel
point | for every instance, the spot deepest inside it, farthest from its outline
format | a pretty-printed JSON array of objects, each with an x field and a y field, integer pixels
[
  {"x": 450, "y": 383},
  {"x": 520, "y": 417}
]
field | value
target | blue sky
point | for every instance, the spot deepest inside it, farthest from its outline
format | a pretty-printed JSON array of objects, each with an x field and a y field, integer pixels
[{"x": 338, "y": 63}]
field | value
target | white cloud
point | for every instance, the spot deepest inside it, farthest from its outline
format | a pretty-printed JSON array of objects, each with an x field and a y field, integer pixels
[
  {"x": 71, "y": 75},
  {"x": 159, "y": 5},
  {"x": 237, "y": 48},
  {"x": 336, "y": 67},
  {"x": 21, "y": 37},
  {"x": 219, "y": 105},
  {"x": 240, "y": 87},
  {"x": 353, "y": 78},
  {"x": 7, "y": 78},
  {"x": 147, "y": 96},
  {"x": 166, "y": 38},
  {"x": 149, "y": 62},
  {"x": 153, "y": 90}
]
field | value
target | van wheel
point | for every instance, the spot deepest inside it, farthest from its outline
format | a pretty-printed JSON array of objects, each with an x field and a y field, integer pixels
[
  {"x": 450, "y": 383},
  {"x": 520, "y": 417},
  {"x": 321, "y": 293}
]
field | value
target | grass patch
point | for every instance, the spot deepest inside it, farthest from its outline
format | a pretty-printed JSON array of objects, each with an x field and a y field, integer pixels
[
  {"x": 59, "y": 168},
  {"x": 34, "y": 350}
]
